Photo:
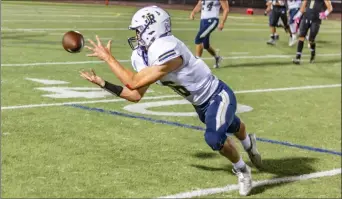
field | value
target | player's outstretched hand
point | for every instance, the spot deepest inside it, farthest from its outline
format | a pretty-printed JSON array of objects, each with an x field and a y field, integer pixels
[
  {"x": 98, "y": 50},
  {"x": 192, "y": 16},
  {"x": 92, "y": 77},
  {"x": 220, "y": 26}
]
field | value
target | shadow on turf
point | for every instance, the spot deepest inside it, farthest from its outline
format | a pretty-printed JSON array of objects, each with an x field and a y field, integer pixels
[{"x": 284, "y": 167}]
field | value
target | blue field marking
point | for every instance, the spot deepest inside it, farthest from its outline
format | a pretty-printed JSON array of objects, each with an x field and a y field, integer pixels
[{"x": 202, "y": 129}]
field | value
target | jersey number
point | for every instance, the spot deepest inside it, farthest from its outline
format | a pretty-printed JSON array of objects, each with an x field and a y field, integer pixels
[
  {"x": 177, "y": 88},
  {"x": 312, "y": 3},
  {"x": 209, "y": 6}
]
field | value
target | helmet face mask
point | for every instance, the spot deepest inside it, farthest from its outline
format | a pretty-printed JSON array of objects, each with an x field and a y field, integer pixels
[
  {"x": 149, "y": 23},
  {"x": 136, "y": 41}
]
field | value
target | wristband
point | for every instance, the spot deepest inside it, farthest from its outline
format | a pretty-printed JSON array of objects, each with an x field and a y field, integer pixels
[
  {"x": 326, "y": 13},
  {"x": 115, "y": 89},
  {"x": 298, "y": 15}
]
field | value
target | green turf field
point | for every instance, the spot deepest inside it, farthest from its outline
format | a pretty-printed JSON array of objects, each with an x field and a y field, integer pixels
[{"x": 62, "y": 137}]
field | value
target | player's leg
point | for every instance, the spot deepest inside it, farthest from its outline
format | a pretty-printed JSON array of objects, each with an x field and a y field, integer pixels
[
  {"x": 219, "y": 116},
  {"x": 273, "y": 23},
  {"x": 314, "y": 29},
  {"x": 199, "y": 40},
  {"x": 248, "y": 141},
  {"x": 276, "y": 36},
  {"x": 211, "y": 26},
  {"x": 293, "y": 26},
  {"x": 284, "y": 19},
  {"x": 303, "y": 30},
  {"x": 211, "y": 51},
  {"x": 199, "y": 50}
]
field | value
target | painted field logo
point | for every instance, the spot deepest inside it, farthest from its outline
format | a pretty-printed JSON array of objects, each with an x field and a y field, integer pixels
[
  {"x": 64, "y": 92},
  {"x": 70, "y": 92},
  {"x": 142, "y": 108}
]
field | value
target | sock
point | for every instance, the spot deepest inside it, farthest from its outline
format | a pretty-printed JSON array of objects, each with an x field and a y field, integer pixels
[
  {"x": 299, "y": 49},
  {"x": 273, "y": 36},
  {"x": 313, "y": 49},
  {"x": 240, "y": 165},
  {"x": 246, "y": 143},
  {"x": 276, "y": 36},
  {"x": 287, "y": 29},
  {"x": 198, "y": 57},
  {"x": 293, "y": 28}
]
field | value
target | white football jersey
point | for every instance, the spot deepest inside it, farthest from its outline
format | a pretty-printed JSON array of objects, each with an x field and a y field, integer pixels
[
  {"x": 210, "y": 9},
  {"x": 294, "y": 4},
  {"x": 193, "y": 80}
]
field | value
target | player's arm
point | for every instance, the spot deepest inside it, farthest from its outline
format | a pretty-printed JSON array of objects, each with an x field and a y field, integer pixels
[
  {"x": 196, "y": 9},
  {"x": 302, "y": 8},
  {"x": 124, "y": 92},
  {"x": 268, "y": 7},
  {"x": 225, "y": 8},
  {"x": 329, "y": 9},
  {"x": 132, "y": 80},
  {"x": 120, "y": 91},
  {"x": 301, "y": 11},
  {"x": 146, "y": 76}
]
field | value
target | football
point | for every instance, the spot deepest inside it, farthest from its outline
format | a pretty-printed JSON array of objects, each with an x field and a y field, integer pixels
[{"x": 73, "y": 41}]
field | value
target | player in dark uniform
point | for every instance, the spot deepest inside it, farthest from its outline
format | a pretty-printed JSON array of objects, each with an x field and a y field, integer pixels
[
  {"x": 279, "y": 10},
  {"x": 312, "y": 18}
]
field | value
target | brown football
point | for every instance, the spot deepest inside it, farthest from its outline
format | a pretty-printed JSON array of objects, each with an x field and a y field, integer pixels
[{"x": 73, "y": 41}]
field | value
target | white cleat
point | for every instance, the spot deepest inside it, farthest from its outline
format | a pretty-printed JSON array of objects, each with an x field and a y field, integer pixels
[
  {"x": 218, "y": 60},
  {"x": 245, "y": 180},
  {"x": 292, "y": 41},
  {"x": 253, "y": 152},
  {"x": 271, "y": 42}
]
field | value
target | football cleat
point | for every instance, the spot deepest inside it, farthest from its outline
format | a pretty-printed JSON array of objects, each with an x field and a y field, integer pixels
[
  {"x": 312, "y": 59},
  {"x": 296, "y": 61},
  {"x": 245, "y": 180},
  {"x": 253, "y": 152},
  {"x": 218, "y": 59},
  {"x": 292, "y": 40},
  {"x": 271, "y": 42}
]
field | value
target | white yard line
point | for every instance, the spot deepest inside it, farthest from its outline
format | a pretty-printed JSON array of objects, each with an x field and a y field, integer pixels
[
  {"x": 170, "y": 96},
  {"x": 288, "y": 88},
  {"x": 206, "y": 58},
  {"x": 126, "y": 29},
  {"x": 118, "y": 21},
  {"x": 81, "y": 102},
  {"x": 234, "y": 187}
]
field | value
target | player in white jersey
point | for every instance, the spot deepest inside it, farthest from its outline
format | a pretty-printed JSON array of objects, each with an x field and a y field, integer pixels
[
  {"x": 210, "y": 12},
  {"x": 160, "y": 57},
  {"x": 293, "y": 8}
]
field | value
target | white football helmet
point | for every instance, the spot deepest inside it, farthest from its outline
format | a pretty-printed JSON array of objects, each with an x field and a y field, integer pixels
[{"x": 150, "y": 23}]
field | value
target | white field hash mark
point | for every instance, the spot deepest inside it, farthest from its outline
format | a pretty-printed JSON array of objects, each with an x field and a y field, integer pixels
[
  {"x": 171, "y": 96},
  {"x": 228, "y": 188},
  {"x": 206, "y": 58}
]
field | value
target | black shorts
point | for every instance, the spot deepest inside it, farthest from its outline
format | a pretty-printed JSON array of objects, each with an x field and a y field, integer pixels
[
  {"x": 278, "y": 12},
  {"x": 307, "y": 24}
]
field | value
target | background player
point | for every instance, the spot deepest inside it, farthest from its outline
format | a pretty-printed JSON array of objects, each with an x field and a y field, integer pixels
[
  {"x": 210, "y": 11},
  {"x": 278, "y": 11},
  {"x": 312, "y": 19},
  {"x": 268, "y": 10},
  {"x": 293, "y": 8},
  {"x": 161, "y": 57}
]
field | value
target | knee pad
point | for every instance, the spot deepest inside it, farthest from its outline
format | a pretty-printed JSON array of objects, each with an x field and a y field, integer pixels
[
  {"x": 235, "y": 125},
  {"x": 215, "y": 139}
]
